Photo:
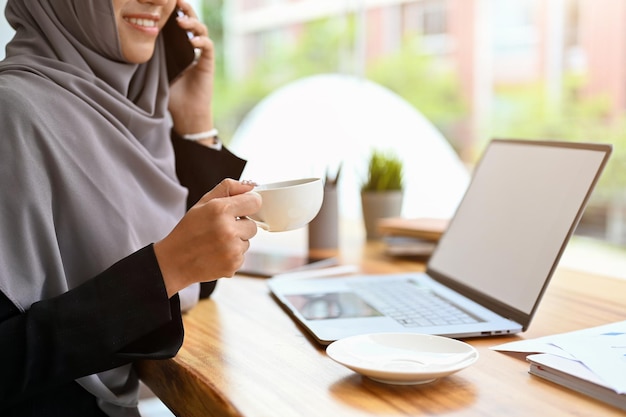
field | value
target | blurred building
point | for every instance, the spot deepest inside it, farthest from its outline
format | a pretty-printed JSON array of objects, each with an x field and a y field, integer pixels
[{"x": 489, "y": 43}]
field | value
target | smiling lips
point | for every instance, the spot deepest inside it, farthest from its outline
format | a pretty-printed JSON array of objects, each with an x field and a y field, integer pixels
[{"x": 147, "y": 23}]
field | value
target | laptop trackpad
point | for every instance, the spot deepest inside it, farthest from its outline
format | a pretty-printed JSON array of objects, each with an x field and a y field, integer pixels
[{"x": 332, "y": 305}]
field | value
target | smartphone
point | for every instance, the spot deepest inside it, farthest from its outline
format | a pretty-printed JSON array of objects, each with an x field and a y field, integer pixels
[
  {"x": 179, "y": 52},
  {"x": 267, "y": 264}
]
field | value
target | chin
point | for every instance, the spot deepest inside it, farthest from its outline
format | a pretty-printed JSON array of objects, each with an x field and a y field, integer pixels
[{"x": 139, "y": 56}]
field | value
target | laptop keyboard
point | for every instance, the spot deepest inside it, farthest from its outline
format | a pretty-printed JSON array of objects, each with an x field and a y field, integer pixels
[{"x": 410, "y": 305}]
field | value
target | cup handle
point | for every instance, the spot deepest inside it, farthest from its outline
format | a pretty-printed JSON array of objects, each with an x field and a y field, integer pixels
[{"x": 262, "y": 225}]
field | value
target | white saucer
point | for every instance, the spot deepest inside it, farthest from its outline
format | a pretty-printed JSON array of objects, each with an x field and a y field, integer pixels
[{"x": 402, "y": 358}]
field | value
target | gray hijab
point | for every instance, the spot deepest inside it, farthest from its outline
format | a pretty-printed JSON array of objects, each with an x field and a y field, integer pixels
[{"x": 86, "y": 166}]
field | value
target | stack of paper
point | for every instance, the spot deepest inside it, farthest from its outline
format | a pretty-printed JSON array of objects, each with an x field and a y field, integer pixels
[{"x": 590, "y": 361}]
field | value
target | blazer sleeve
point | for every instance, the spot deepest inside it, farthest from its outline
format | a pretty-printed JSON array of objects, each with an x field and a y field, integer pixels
[
  {"x": 119, "y": 316},
  {"x": 200, "y": 168}
]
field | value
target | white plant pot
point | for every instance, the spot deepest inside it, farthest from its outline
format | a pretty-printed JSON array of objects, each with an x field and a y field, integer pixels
[{"x": 377, "y": 205}]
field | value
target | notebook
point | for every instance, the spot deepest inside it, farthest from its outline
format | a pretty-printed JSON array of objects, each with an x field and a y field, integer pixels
[{"x": 491, "y": 266}]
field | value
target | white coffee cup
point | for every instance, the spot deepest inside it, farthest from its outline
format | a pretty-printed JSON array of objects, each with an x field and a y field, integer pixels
[{"x": 288, "y": 205}]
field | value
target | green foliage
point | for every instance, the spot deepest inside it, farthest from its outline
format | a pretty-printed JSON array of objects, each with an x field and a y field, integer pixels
[
  {"x": 234, "y": 100},
  {"x": 326, "y": 46},
  {"x": 385, "y": 172},
  {"x": 280, "y": 62},
  {"x": 413, "y": 75},
  {"x": 212, "y": 16},
  {"x": 525, "y": 113}
]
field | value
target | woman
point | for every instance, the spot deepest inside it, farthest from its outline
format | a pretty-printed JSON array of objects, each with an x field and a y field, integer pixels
[{"x": 95, "y": 180}]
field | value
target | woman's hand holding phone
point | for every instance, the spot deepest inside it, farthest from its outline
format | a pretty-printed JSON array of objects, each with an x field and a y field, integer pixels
[{"x": 192, "y": 92}]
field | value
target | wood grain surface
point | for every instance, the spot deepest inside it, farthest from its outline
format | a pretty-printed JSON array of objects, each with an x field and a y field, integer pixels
[{"x": 244, "y": 356}]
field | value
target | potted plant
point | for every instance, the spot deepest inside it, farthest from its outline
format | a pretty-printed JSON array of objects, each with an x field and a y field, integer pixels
[{"x": 382, "y": 192}]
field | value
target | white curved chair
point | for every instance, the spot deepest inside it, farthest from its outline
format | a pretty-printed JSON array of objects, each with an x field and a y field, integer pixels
[{"x": 318, "y": 122}]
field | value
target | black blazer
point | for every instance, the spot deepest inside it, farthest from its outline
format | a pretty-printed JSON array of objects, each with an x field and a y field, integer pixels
[{"x": 107, "y": 322}]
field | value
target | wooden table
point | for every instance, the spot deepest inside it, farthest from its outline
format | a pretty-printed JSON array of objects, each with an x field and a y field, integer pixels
[{"x": 244, "y": 356}]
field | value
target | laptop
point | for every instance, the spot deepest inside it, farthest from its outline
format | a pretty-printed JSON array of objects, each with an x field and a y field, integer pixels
[{"x": 490, "y": 267}]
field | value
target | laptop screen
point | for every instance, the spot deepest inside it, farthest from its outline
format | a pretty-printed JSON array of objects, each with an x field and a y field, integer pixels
[{"x": 524, "y": 198}]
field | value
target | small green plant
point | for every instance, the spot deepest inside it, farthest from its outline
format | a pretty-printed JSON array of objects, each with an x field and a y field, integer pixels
[{"x": 385, "y": 172}]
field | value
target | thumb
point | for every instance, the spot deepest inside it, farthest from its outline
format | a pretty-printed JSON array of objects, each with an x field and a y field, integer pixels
[{"x": 228, "y": 188}]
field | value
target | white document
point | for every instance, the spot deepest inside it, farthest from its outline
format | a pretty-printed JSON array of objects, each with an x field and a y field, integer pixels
[
  {"x": 601, "y": 349},
  {"x": 574, "y": 375}
]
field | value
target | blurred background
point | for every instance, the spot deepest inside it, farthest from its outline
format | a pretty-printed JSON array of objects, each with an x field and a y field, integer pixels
[
  {"x": 476, "y": 69},
  {"x": 305, "y": 87},
  {"x": 325, "y": 81}
]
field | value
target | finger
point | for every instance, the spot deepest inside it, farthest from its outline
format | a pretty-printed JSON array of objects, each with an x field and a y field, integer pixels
[
  {"x": 192, "y": 24},
  {"x": 186, "y": 8},
  {"x": 205, "y": 43},
  {"x": 246, "y": 246},
  {"x": 239, "y": 187},
  {"x": 248, "y": 228},
  {"x": 227, "y": 188},
  {"x": 237, "y": 259},
  {"x": 245, "y": 205},
  {"x": 239, "y": 206}
]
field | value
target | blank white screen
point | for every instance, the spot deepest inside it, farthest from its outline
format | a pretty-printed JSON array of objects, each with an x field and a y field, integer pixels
[{"x": 514, "y": 219}]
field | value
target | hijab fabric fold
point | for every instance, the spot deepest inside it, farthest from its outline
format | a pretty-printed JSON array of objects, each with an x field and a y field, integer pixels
[{"x": 86, "y": 165}]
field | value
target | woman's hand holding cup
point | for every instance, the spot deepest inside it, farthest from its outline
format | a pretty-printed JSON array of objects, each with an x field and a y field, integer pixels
[{"x": 211, "y": 239}]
